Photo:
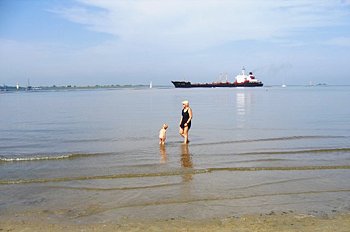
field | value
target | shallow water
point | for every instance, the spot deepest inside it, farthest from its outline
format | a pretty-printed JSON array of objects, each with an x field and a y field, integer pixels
[{"x": 94, "y": 155}]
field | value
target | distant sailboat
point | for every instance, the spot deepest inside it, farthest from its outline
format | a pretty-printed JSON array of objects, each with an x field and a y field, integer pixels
[
  {"x": 284, "y": 83},
  {"x": 150, "y": 85},
  {"x": 29, "y": 87}
]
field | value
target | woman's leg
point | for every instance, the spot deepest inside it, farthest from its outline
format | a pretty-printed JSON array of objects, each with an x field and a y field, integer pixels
[
  {"x": 185, "y": 135},
  {"x": 181, "y": 132}
]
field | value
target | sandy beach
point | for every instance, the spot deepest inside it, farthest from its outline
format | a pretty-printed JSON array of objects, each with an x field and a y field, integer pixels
[{"x": 283, "y": 221}]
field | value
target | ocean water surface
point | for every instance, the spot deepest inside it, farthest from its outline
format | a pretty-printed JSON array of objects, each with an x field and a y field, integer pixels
[{"x": 89, "y": 155}]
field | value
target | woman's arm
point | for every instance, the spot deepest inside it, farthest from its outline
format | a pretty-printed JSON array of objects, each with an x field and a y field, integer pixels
[{"x": 190, "y": 115}]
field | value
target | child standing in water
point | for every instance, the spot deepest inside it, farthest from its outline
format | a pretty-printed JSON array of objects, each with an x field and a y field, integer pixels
[{"x": 162, "y": 134}]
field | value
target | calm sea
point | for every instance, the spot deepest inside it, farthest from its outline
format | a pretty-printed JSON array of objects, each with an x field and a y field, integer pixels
[{"x": 94, "y": 154}]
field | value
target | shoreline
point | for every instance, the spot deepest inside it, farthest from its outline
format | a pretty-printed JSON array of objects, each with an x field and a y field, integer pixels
[{"x": 274, "y": 221}]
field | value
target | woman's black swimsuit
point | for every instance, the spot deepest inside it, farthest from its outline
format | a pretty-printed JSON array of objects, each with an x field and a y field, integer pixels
[{"x": 185, "y": 117}]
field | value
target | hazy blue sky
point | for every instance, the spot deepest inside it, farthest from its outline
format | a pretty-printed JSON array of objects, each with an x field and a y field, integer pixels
[{"x": 88, "y": 42}]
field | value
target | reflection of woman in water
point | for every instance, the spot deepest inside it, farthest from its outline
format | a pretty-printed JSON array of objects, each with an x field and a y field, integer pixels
[
  {"x": 186, "y": 162},
  {"x": 185, "y": 122}
]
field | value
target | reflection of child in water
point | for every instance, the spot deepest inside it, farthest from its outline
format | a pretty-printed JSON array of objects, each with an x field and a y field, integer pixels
[
  {"x": 163, "y": 157},
  {"x": 162, "y": 134}
]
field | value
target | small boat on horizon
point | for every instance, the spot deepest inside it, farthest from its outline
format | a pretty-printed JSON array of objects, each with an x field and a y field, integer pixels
[{"x": 241, "y": 80}]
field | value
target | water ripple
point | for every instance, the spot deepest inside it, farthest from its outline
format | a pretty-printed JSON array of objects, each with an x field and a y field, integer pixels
[{"x": 170, "y": 173}]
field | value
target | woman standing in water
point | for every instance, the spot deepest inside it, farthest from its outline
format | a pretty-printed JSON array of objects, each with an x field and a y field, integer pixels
[{"x": 185, "y": 122}]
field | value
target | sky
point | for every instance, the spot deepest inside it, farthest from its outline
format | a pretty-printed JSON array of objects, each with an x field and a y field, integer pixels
[{"x": 103, "y": 42}]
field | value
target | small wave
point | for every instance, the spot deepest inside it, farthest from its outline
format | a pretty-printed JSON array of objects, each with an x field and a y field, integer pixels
[
  {"x": 88, "y": 140},
  {"x": 113, "y": 176},
  {"x": 284, "y": 152},
  {"x": 270, "y": 139},
  {"x": 117, "y": 188},
  {"x": 289, "y": 168},
  {"x": 226, "y": 198},
  {"x": 171, "y": 173},
  {"x": 51, "y": 157},
  {"x": 15, "y": 146},
  {"x": 323, "y": 150},
  {"x": 261, "y": 160}
]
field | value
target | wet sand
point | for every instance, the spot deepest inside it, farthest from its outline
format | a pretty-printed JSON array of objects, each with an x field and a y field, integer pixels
[
  {"x": 316, "y": 200},
  {"x": 282, "y": 221}
]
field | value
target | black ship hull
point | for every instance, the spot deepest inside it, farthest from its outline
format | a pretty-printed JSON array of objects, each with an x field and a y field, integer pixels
[{"x": 187, "y": 84}]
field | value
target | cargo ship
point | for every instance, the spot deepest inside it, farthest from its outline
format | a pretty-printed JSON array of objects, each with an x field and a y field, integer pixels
[{"x": 241, "y": 80}]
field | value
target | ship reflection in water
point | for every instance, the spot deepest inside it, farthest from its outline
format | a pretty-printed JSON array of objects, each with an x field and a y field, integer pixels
[{"x": 243, "y": 103}]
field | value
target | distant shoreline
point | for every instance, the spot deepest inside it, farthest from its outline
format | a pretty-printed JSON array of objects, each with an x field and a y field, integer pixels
[{"x": 6, "y": 88}]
